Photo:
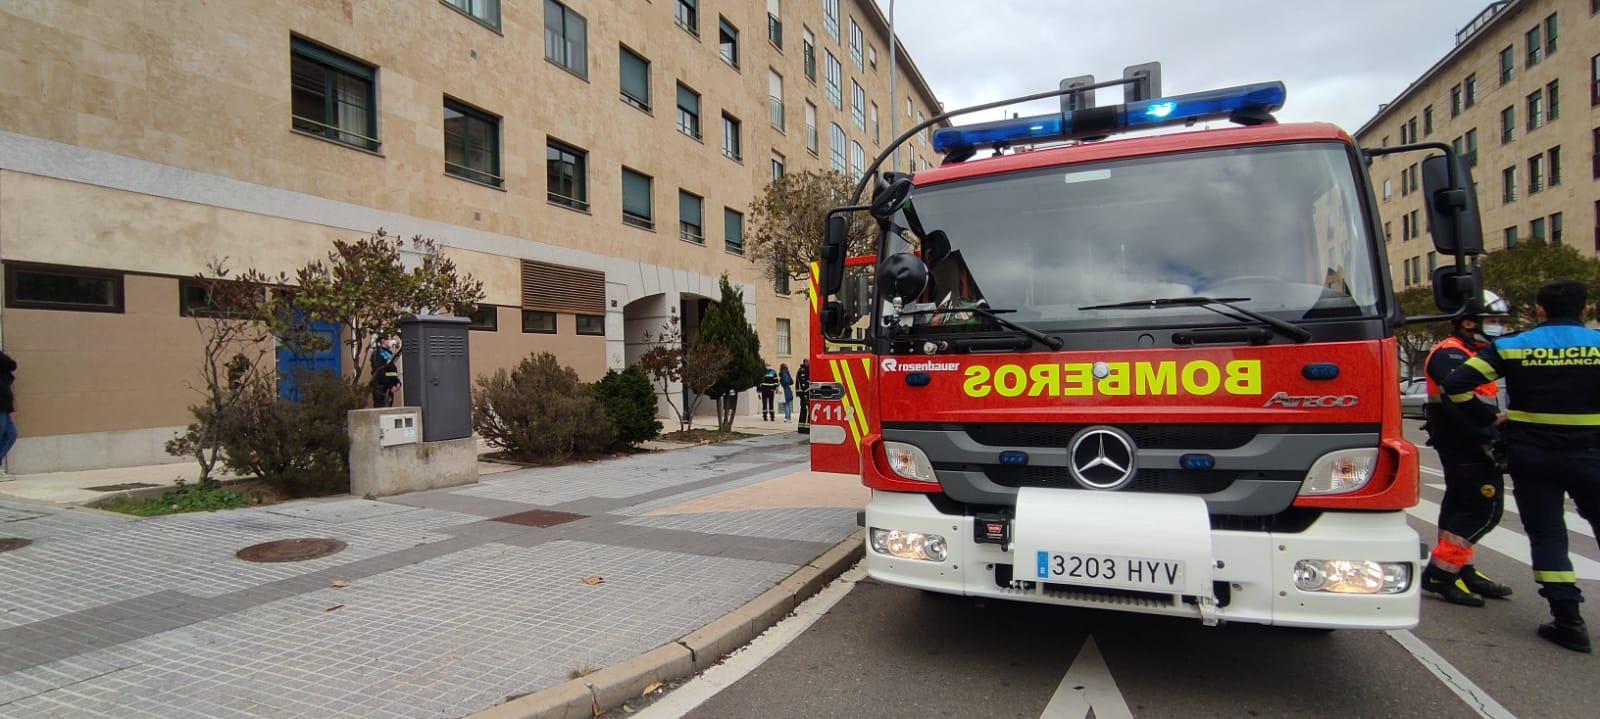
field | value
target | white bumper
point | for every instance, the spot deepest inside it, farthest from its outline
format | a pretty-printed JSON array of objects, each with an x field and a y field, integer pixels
[{"x": 1257, "y": 567}]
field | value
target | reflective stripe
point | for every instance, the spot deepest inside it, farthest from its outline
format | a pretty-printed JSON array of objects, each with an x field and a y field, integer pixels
[
  {"x": 1511, "y": 353},
  {"x": 1483, "y": 368},
  {"x": 1463, "y": 397},
  {"x": 1586, "y": 420},
  {"x": 1568, "y": 577}
]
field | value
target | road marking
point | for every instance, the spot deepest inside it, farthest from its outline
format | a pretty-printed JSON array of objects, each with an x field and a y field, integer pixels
[
  {"x": 1510, "y": 543},
  {"x": 1478, "y": 699},
  {"x": 696, "y": 691},
  {"x": 1087, "y": 687},
  {"x": 1575, "y": 523}
]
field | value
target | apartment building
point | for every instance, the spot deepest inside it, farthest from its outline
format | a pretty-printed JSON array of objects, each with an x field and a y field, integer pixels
[
  {"x": 140, "y": 139},
  {"x": 1519, "y": 97}
]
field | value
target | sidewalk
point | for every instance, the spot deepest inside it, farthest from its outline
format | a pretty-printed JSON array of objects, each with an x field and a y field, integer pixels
[{"x": 442, "y": 603}]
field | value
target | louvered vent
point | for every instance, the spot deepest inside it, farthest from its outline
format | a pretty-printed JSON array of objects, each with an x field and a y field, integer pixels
[
  {"x": 554, "y": 288},
  {"x": 447, "y": 346}
]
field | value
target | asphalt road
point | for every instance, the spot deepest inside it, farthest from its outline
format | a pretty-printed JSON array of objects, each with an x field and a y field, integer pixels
[{"x": 885, "y": 651}]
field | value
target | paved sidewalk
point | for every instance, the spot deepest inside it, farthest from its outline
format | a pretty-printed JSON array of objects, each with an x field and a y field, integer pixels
[{"x": 452, "y": 602}]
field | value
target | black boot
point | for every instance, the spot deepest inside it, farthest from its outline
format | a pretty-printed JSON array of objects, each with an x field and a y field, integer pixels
[
  {"x": 1567, "y": 629},
  {"x": 1483, "y": 585},
  {"x": 1449, "y": 586}
]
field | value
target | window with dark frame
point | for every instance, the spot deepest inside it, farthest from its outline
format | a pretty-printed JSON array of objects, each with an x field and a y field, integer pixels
[
  {"x": 538, "y": 322},
  {"x": 691, "y": 226},
  {"x": 1594, "y": 80},
  {"x": 484, "y": 11},
  {"x": 774, "y": 24},
  {"x": 830, "y": 18},
  {"x": 1554, "y": 166},
  {"x": 728, "y": 42},
  {"x": 1508, "y": 65},
  {"x": 634, "y": 72},
  {"x": 332, "y": 96},
  {"x": 567, "y": 175},
  {"x": 1510, "y": 236},
  {"x": 1533, "y": 47},
  {"x": 808, "y": 51},
  {"x": 1536, "y": 229},
  {"x": 1508, "y": 124},
  {"x": 832, "y": 73},
  {"x": 1550, "y": 35},
  {"x": 592, "y": 325},
  {"x": 856, "y": 57},
  {"x": 1555, "y": 229},
  {"x": 687, "y": 13},
  {"x": 46, "y": 287},
  {"x": 1508, "y": 185},
  {"x": 566, "y": 38},
  {"x": 1427, "y": 121},
  {"x": 484, "y": 318},
  {"x": 194, "y": 298},
  {"x": 688, "y": 112},
  {"x": 732, "y": 231},
  {"x": 783, "y": 330},
  {"x": 811, "y": 128},
  {"x": 1471, "y": 155},
  {"x": 1535, "y": 110},
  {"x": 471, "y": 143},
  {"x": 637, "y": 208},
  {"x": 858, "y": 105},
  {"x": 1535, "y": 174},
  {"x": 1416, "y": 224},
  {"x": 1455, "y": 100},
  {"x": 1552, "y": 99},
  {"x": 731, "y": 145},
  {"x": 1469, "y": 88}
]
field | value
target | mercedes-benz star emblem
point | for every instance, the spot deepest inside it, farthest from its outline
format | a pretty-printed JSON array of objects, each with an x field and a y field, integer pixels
[{"x": 1103, "y": 458}]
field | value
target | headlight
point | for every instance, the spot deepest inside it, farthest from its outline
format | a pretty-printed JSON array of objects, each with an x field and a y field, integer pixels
[
  {"x": 909, "y": 545},
  {"x": 907, "y": 460},
  {"x": 1352, "y": 576},
  {"x": 1340, "y": 472}
]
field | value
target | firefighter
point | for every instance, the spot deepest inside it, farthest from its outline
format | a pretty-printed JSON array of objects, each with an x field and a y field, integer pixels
[
  {"x": 1552, "y": 431},
  {"x": 1474, "y": 485},
  {"x": 802, "y": 389}
]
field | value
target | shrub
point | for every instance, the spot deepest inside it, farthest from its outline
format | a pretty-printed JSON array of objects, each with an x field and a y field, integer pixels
[
  {"x": 207, "y": 496},
  {"x": 540, "y": 412},
  {"x": 301, "y": 448},
  {"x": 629, "y": 400}
]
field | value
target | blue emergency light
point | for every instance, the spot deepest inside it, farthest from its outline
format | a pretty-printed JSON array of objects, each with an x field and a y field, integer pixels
[{"x": 1247, "y": 103}]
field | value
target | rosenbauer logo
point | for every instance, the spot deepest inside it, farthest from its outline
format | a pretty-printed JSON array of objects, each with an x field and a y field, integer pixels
[{"x": 890, "y": 364}]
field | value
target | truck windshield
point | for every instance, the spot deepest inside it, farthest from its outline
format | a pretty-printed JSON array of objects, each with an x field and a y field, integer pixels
[{"x": 1277, "y": 229}]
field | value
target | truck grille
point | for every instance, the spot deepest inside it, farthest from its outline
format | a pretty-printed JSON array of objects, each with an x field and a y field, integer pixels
[
  {"x": 1147, "y": 436},
  {"x": 1165, "y": 481}
]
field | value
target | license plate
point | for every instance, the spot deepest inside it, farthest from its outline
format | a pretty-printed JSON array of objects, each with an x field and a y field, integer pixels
[{"x": 1105, "y": 570}]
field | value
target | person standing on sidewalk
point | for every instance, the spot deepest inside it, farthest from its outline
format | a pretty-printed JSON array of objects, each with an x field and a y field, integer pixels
[
  {"x": 385, "y": 375},
  {"x": 769, "y": 391},
  {"x": 1474, "y": 487},
  {"x": 802, "y": 389},
  {"x": 786, "y": 380},
  {"x": 1552, "y": 432},
  {"x": 8, "y": 405}
]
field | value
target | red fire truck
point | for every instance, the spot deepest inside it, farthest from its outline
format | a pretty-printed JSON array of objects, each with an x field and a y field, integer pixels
[{"x": 1142, "y": 372}]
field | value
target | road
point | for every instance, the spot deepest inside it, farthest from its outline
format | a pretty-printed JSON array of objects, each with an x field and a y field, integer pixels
[{"x": 883, "y": 651}]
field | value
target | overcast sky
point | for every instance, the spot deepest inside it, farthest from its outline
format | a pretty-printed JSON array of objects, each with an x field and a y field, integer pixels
[{"x": 1339, "y": 60}]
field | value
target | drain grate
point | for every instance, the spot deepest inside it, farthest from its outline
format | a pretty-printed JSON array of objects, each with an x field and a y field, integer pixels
[
  {"x": 9, "y": 543},
  {"x": 540, "y": 518},
  {"x": 290, "y": 550},
  {"x": 120, "y": 487}
]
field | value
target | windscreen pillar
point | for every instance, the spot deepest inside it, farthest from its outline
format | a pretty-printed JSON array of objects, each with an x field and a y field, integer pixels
[{"x": 435, "y": 375}]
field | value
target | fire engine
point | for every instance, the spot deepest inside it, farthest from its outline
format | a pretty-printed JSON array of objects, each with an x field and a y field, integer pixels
[{"x": 1142, "y": 371}]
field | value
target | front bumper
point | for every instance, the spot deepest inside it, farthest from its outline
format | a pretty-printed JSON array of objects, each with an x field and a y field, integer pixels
[{"x": 1252, "y": 572}]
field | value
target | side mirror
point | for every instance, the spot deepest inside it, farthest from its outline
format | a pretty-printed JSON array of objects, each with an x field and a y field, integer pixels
[
  {"x": 832, "y": 255},
  {"x": 888, "y": 200},
  {"x": 902, "y": 275},
  {"x": 830, "y": 319},
  {"x": 1452, "y": 207},
  {"x": 1454, "y": 289}
]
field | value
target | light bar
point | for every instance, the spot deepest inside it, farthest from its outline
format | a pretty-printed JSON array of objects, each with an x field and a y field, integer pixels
[{"x": 1252, "y": 101}]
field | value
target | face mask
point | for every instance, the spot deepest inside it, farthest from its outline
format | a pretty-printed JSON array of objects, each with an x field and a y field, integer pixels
[{"x": 1493, "y": 329}]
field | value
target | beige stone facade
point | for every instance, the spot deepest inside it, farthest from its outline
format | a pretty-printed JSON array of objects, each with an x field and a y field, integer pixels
[
  {"x": 140, "y": 139},
  {"x": 1535, "y": 63}
]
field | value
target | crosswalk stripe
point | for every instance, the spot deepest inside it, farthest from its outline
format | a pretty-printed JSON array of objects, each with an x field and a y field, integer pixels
[
  {"x": 1575, "y": 523},
  {"x": 1507, "y": 542}
]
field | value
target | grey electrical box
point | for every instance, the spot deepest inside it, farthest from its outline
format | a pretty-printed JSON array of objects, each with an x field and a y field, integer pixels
[{"x": 435, "y": 375}]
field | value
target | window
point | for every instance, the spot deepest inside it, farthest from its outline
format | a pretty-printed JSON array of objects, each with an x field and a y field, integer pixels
[
  {"x": 730, "y": 137},
  {"x": 1416, "y": 270},
  {"x": 1471, "y": 154},
  {"x": 566, "y": 38},
  {"x": 1508, "y": 185},
  {"x": 195, "y": 297},
  {"x": 332, "y": 95},
  {"x": 1552, "y": 99},
  {"x": 1555, "y": 229},
  {"x": 1554, "y": 166},
  {"x": 831, "y": 82},
  {"x": 830, "y": 18},
  {"x": 876, "y": 136},
  {"x": 46, "y": 287},
  {"x": 1388, "y": 189},
  {"x": 689, "y": 222},
  {"x": 858, "y": 161},
  {"x": 728, "y": 42},
  {"x": 732, "y": 231},
  {"x": 1535, "y": 110},
  {"x": 872, "y": 57},
  {"x": 855, "y": 44},
  {"x": 687, "y": 13},
  {"x": 1403, "y": 139},
  {"x": 591, "y": 325},
  {"x": 775, "y": 99},
  {"x": 1405, "y": 227},
  {"x": 635, "y": 72},
  {"x": 567, "y": 172},
  {"x": 636, "y": 204},
  {"x": 1534, "y": 47},
  {"x": 836, "y": 146},
  {"x": 688, "y": 112},
  {"x": 1455, "y": 100},
  {"x": 1405, "y": 181},
  {"x": 1416, "y": 224},
  {"x": 858, "y": 105},
  {"x": 1388, "y": 232},
  {"x": 536, "y": 322},
  {"x": 808, "y": 50},
  {"x": 811, "y": 127},
  {"x": 1508, "y": 125},
  {"x": 783, "y": 336},
  {"x": 780, "y": 278},
  {"x": 777, "y": 165},
  {"x": 1550, "y": 35},
  {"x": 1412, "y": 126},
  {"x": 471, "y": 143},
  {"x": 774, "y": 24},
  {"x": 1416, "y": 172},
  {"x": 1535, "y": 173},
  {"x": 1507, "y": 65},
  {"x": 1511, "y": 236},
  {"x": 1536, "y": 229},
  {"x": 922, "y": 135},
  {"x": 1469, "y": 88},
  {"x": 484, "y": 318},
  {"x": 1427, "y": 121},
  {"x": 1595, "y": 153},
  {"x": 1433, "y": 262},
  {"x": 1594, "y": 80},
  {"x": 484, "y": 11}
]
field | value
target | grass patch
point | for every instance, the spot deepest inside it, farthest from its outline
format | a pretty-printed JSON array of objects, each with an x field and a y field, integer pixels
[
  {"x": 582, "y": 671},
  {"x": 185, "y": 497},
  {"x": 704, "y": 436}
]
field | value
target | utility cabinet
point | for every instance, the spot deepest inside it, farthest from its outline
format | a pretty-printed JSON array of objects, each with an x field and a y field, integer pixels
[{"x": 435, "y": 374}]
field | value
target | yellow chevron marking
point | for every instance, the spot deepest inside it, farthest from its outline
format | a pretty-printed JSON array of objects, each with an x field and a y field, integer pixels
[
  {"x": 841, "y": 375},
  {"x": 815, "y": 300}
]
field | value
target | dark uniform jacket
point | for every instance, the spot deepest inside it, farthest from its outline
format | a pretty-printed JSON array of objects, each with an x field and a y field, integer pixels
[
  {"x": 769, "y": 385},
  {"x": 1449, "y": 423},
  {"x": 1552, "y": 381}
]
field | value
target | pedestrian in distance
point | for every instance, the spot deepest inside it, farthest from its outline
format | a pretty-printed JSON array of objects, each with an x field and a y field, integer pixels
[
  {"x": 786, "y": 381},
  {"x": 1470, "y": 454},
  {"x": 1552, "y": 431},
  {"x": 385, "y": 374},
  {"x": 8, "y": 405},
  {"x": 802, "y": 389},
  {"x": 768, "y": 390}
]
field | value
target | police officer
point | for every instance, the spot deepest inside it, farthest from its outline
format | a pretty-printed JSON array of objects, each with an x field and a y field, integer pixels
[
  {"x": 802, "y": 388},
  {"x": 1552, "y": 432},
  {"x": 1474, "y": 488}
]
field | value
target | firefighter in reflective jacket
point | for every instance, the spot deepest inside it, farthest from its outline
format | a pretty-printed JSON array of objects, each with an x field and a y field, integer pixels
[
  {"x": 1474, "y": 486},
  {"x": 1552, "y": 433},
  {"x": 802, "y": 388}
]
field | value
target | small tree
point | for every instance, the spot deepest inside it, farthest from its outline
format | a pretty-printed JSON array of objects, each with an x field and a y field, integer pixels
[
  {"x": 1517, "y": 273},
  {"x": 725, "y": 326},
  {"x": 788, "y": 222},
  {"x": 630, "y": 401},
  {"x": 696, "y": 365}
]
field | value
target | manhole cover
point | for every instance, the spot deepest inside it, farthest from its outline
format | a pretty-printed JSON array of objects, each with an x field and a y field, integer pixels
[
  {"x": 540, "y": 518},
  {"x": 290, "y": 550},
  {"x": 9, "y": 543},
  {"x": 120, "y": 487}
]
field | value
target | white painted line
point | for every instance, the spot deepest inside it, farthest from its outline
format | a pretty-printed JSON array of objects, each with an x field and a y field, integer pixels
[
  {"x": 1087, "y": 687},
  {"x": 1478, "y": 699},
  {"x": 696, "y": 691},
  {"x": 1429, "y": 470},
  {"x": 1575, "y": 523},
  {"x": 1508, "y": 542}
]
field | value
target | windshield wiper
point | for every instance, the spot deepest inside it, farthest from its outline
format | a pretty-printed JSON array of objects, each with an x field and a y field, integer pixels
[
  {"x": 1292, "y": 331},
  {"x": 994, "y": 315}
]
